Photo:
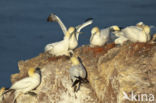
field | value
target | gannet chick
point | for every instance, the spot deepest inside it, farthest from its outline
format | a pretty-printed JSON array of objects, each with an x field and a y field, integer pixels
[
  {"x": 62, "y": 47},
  {"x": 101, "y": 37},
  {"x": 27, "y": 84},
  {"x": 134, "y": 33},
  {"x": 75, "y": 36},
  {"x": 78, "y": 73},
  {"x": 2, "y": 90}
]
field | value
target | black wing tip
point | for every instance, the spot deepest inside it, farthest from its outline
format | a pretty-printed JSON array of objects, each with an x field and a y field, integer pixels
[
  {"x": 121, "y": 27},
  {"x": 88, "y": 19},
  {"x": 50, "y": 17}
]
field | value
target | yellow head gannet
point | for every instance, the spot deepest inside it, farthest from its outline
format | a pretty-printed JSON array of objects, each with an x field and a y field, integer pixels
[
  {"x": 101, "y": 37},
  {"x": 75, "y": 35},
  {"x": 77, "y": 72},
  {"x": 62, "y": 47},
  {"x": 145, "y": 28},
  {"x": 27, "y": 84},
  {"x": 134, "y": 33}
]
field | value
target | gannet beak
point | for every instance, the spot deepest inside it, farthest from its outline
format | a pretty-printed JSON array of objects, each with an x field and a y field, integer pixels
[{"x": 38, "y": 70}]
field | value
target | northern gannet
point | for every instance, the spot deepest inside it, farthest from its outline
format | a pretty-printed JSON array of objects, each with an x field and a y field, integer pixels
[
  {"x": 133, "y": 33},
  {"x": 101, "y": 37},
  {"x": 78, "y": 73},
  {"x": 145, "y": 28},
  {"x": 26, "y": 84},
  {"x": 75, "y": 36},
  {"x": 62, "y": 47}
]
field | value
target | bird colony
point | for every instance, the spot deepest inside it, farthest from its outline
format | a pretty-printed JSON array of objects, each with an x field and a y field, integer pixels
[{"x": 78, "y": 74}]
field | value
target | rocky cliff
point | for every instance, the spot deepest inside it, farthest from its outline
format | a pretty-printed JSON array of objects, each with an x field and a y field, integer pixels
[{"x": 112, "y": 72}]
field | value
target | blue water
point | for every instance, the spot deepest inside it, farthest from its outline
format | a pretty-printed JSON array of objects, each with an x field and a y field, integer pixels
[{"x": 24, "y": 31}]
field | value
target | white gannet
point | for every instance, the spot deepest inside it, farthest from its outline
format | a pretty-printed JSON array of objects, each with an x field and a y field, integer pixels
[
  {"x": 101, "y": 37},
  {"x": 145, "y": 28},
  {"x": 75, "y": 36},
  {"x": 133, "y": 33},
  {"x": 2, "y": 90},
  {"x": 26, "y": 84},
  {"x": 62, "y": 47},
  {"x": 78, "y": 73}
]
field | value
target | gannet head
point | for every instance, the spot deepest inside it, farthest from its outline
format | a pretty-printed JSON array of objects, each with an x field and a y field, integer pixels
[
  {"x": 2, "y": 90},
  {"x": 95, "y": 30},
  {"x": 31, "y": 71},
  {"x": 75, "y": 60},
  {"x": 69, "y": 32},
  {"x": 140, "y": 24},
  {"x": 115, "y": 28},
  {"x": 146, "y": 29}
]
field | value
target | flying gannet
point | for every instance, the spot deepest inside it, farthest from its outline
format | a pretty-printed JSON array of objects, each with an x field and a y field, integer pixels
[
  {"x": 78, "y": 73},
  {"x": 73, "y": 43},
  {"x": 26, "y": 84},
  {"x": 101, "y": 37}
]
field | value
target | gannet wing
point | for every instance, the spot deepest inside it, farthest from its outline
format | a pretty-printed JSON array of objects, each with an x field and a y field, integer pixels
[
  {"x": 23, "y": 83},
  {"x": 55, "y": 18},
  {"x": 79, "y": 27}
]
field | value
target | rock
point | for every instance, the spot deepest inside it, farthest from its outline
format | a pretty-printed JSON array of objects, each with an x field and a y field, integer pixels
[{"x": 112, "y": 71}]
